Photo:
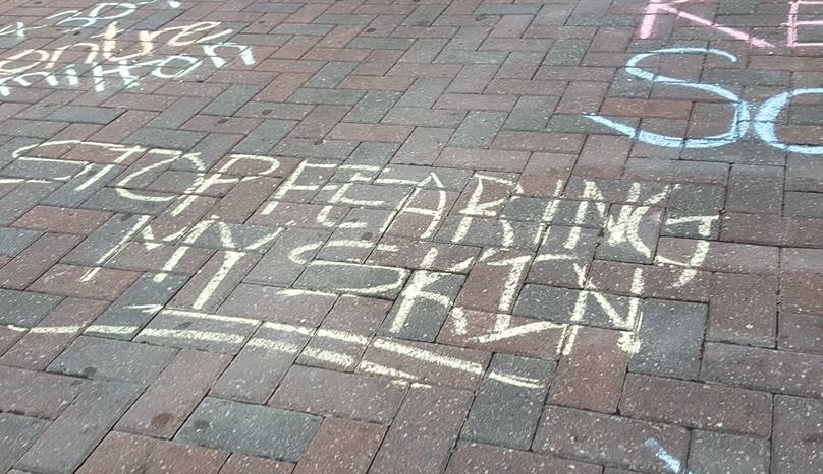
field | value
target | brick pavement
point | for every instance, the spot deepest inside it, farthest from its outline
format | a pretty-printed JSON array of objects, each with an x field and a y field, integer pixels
[{"x": 411, "y": 236}]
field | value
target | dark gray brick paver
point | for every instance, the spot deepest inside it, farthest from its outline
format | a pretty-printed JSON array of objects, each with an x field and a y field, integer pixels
[
  {"x": 718, "y": 452},
  {"x": 17, "y": 434},
  {"x": 368, "y": 280},
  {"x": 506, "y": 413},
  {"x": 13, "y": 240},
  {"x": 105, "y": 359},
  {"x": 596, "y": 437},
  {"x": 25, "y": 308},
  {"x": 250, "y": 429},
  {"x": 84, "y": 185},
  {"x": 795, "y": 434},
  {"x": 672, "y": 332},
  {"x": 104, "y": 242},
  {"x": 372, "y": 107},
  {"x": 327, "y": 392},
  {"x": 136, "y": 306},
  {"x": 63, "y": 447}
]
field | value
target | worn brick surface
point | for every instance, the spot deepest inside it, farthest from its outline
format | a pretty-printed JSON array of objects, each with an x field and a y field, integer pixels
[
  {"x": 63, "y": 447},
  {"x": 86, "y": 282},
  {"x": 419, "y": 317},
  {"x": 18, "y": 434},
  {"x": 494, "y": 265},
  {"x": 795, "y": 435},
  {"x": 37, "y": 349},
  {"x": 344, "y": 334},
  {"x": 255, "y": 372},
  {"x": 425, "y": 362},
  {"x": 155, "y": 257},
  {"x": 249, "y": 429},
  {"x": 309, "y": 389},
  {"x": 563, "y": 254},
  {"x": 697, "y": 405},
  {"x": 743, "y": 309},
  {"x": 671, "y": 339},
  {"x": 52, "y": 219},
  {"x": 590, "y": 376},
  {"x": 180, "y": 329},
  {"x": 37, "y": 394},
  {"x": 124, "y": 361},
  {"x": 563, "y": 305},
  {"x": 717, "y": 452},
  {"x": 762, "y": 369},
  {"x": 596, "y": 437},
  {"x": 470, "y": 457},
  {"x": 206, "y": 291},
  {"x": 415, "y": 236},
  {"x": 242, "y": 464},
  {"x": 798, "y": 292},
  {"x": 659, "y": 281},
  {"x": 26, "y": 308},
  {"x": 178, "y": 390},
  {"x": 340, "y": 277},
  {"x": 421, "y": 438},
  {"x": 128, "y": 452},
  {"x": 502, "y": 333},
  {"x": 504, "y": 414},
  {"x": 14, "y": 241},
  {"x": 800, "y": 332},
  {"x": 276, "y": 304},
  {"x": 38, "y": 258},
  {"x": 343, "y": 446}
]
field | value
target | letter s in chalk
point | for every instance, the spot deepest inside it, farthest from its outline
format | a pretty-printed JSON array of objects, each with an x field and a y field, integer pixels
[{"x": 740, "y": 121}]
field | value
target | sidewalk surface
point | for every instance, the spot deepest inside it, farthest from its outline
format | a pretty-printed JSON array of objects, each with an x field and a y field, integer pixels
[{"x": 412, "y": 236}]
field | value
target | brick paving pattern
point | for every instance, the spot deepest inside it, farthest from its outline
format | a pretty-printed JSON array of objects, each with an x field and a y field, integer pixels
[{"x": 411, "y": 236}]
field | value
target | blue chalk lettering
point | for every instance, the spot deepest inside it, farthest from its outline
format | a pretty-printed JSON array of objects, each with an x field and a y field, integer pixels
[
  {"x": 767, "y": 115},
  {"x": 738, "y": 127}
]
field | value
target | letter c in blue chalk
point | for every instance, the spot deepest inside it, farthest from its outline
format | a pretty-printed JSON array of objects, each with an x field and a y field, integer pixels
[{"x": 767, "y": 115}]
